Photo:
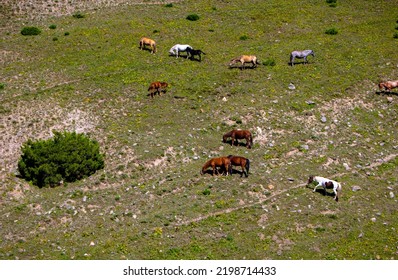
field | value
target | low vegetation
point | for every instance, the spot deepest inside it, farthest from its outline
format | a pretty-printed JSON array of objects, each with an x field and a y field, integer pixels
[
  {"x": 149, "y": 201},
  {"x": 67, "y": 157}
]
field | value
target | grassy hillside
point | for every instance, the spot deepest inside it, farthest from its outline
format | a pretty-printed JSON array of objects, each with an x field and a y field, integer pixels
[{"x": 150, "y": 202}]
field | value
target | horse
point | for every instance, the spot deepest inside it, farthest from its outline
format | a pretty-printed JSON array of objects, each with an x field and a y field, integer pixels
[
  {"x": 326, "y": 184},
  {"x": 239, "y": 134},
  {"x": 193, "y": 52},
  {"x": 157, "y": 87},
  {"x": 243, "y": 162},
  {"x": 245, "y": 59},
  {"x": 389, "y": 85},
  {"x": 148, "y": 42},
  {"x": 300, "y": 54},
  {"x": 176, "y": 49},
  {"x": 223, "y": 162}
]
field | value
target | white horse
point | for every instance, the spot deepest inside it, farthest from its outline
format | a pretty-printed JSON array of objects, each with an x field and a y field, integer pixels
[
  {"x": 176, "y": 49},
  {"x": 326, "y": 184},
  {"x": 300, "y": 54}
]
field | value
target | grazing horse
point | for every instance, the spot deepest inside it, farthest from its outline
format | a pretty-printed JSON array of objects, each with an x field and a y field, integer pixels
[
  {"x": 389, "y": 85},
  {"x": 239, "y": 134},
  {"x": 223, "y": 162},
  {"x": 148, "y": 42},
  {"x": 243, "y": 162},
  {"x": 176, "y": 49},
  {"x": 243, "y": 59},
  {"x": 157, "y": 87},
  {"x": 326, "y": 184},
  {"x": 193, "y": 52},
  {"x": 300, "y": 54}
]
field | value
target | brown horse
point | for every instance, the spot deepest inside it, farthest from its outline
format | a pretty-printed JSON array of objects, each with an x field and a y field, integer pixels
[
  {"x": 239, "y": 134},
  {"x": 223, "y": 162},
  {"x": 389, "y": 85},
  {"x": 243, "y": 162},
  {"x": 157, "y": 87},
  {"x": 148, "y": 42},
  {"x": 243, "y": 59}
]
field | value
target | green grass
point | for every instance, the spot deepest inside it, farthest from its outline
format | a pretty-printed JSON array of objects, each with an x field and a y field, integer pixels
[{"x": 150, "y": 201}]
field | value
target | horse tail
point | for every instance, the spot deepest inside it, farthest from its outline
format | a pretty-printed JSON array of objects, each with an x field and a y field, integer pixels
[
  {"x": 247, "y": 166},
  {"x": 338, "y": 191}
]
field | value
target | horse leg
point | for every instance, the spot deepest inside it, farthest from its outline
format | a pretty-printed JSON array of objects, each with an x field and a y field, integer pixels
[{"x": 316, "y": 187}]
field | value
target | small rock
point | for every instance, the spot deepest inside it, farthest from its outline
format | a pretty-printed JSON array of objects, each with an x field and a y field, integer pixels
[
  {"x": 305, "y": 147},
  {"x": 373, "y": 219},
  {"x": 356, "y": 188},
  {"x": 271, "y": 187},
  {"x": 390, "y": 99},
  {"x": 310, "y": 102},
  {"x": 224, "y": 99},
  {"x": 392, "y": 195},
  {"x": 323, "y": 119},
  {"x": 292, "y": 86},
  {"x": 346, "y": 166},
  {"x": 92, "y": 243}
]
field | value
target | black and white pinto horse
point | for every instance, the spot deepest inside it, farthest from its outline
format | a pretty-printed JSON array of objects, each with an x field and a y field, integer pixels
[
  {"x": 176, "y": 49},
  {"x": 326, "y": 184},
  {"x": 300, "y": 54}
]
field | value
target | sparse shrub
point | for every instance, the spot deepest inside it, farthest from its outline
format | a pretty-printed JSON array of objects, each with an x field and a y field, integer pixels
[
  {"x": 331, "y": 31},
  {"x": 206, "y": 192},
  {"x": 156, "y": 31},
  {"x": 332, "y": 3},
  {"x": 66, "y": 157},
  {"x": 66, "y": 33},
  {"x": 55, "y": 39},
  {"x": 52, "y": 26},
  {"x": 79, "y": 15},
  {"x": 243, "y": 37},
  {"x": 30, "y": 31},
  {"x": 269, "y": 62},
  {"x": 2, "y": 86},
  {"x": 169, "y": 5},
  {"x": 193, "y": 17},
  {"x": 395, "y": 36}
]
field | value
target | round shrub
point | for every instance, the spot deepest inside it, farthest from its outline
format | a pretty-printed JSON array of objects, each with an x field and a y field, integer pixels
[
  {"x": 331, "y": 31},
  {"x": 395, "y": 36},
  {"x": 30, "y": 31},
  {"x": 192, "y": 17},
  {"x": 52, "y": 26},
  {"x": 67, "y": 157}
]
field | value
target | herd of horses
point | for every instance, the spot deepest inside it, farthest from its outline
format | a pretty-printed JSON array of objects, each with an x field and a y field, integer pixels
[{"x": 223, "y": 165}]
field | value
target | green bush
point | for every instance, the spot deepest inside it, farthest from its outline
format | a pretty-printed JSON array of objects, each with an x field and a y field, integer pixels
[
  {"x": 66, "y": 157},
  {"x": 169, "y": 5},
  {"x": 243, "y": 37},
  {"x": 192, "y": 17},
  {"x": 269, "y": 62},
  {"x": 79, "y": 15},
  {"x": 331, "y": 31},
  {"x": 52, "y": 26},
  {"x": 30, "y": 31},
  {"x": 395, "y": 36},
  {"x": 2, "y": 86}
]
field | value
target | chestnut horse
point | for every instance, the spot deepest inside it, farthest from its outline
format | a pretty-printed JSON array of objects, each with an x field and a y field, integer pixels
[
  {"x": 148, "y": 42},
  {"x": 239, "y": 134},
  {"x": 326, "y": 184},
  {"x": 389, "y": 85},
  {"x": 223, "y": 162},
  {"x": 245, "y": 59},
  {"x": 243, "y": 162},
  {"x": 157, "y": 87}
]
